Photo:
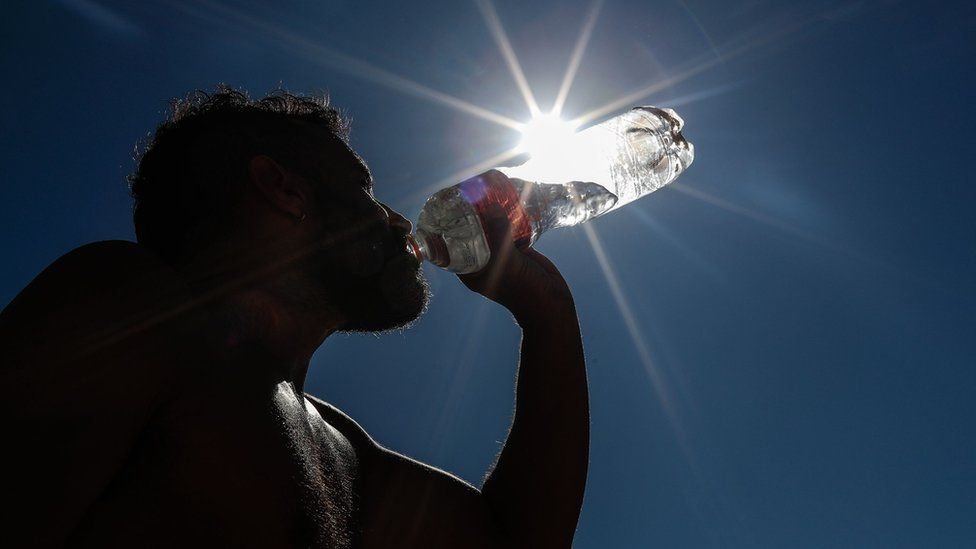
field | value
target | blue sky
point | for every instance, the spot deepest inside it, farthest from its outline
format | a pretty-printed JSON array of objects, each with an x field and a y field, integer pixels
[{"x": 780, "y": 348}]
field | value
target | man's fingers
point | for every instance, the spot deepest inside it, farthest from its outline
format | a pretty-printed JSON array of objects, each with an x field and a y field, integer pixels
[
  {"x": 505, "y": 260},
  {"x": 498, "y": 228},
  {"x": 514, "y": 277}
]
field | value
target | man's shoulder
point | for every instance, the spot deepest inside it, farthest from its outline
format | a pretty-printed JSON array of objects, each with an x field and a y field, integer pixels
[
  {"x": 115, "y": 252},
  {"x": 105, "y": 269},
  {"x": 107, "y": 290},
  {"x": 109, "y": 262},
  {"x": 106, "y": 249},
  {"x": 347, "y": 426},
  {"x": 374, "y": 457}
]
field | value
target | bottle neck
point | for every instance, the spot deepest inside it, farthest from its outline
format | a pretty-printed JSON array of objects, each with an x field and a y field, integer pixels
[
  {"x": 430, "y": 247},
  {"x": 414, "y": 247}
]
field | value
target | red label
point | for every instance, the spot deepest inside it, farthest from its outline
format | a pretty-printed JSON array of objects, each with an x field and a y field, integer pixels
[{"x": 493, "y": 189}]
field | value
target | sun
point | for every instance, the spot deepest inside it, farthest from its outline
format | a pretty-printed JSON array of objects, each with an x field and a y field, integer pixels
[{"x": 546, "y": 136}]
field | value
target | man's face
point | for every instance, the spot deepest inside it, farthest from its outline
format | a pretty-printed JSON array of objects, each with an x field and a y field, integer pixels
[{"x": 362, "y": 257}]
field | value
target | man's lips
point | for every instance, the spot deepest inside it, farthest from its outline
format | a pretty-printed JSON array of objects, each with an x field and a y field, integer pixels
[
  {"x": 414, "y": 249},
  {"x": 369, "y": 257}
]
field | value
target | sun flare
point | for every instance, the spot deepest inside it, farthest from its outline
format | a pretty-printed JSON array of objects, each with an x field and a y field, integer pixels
[{"x": 545, "y": 136}]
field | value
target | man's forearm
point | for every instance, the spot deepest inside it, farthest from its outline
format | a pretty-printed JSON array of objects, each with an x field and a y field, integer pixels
[{"x": 536, "y": 488}]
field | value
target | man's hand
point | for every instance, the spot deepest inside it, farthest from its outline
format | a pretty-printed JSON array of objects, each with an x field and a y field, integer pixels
[{"x": 522, "y": 280}]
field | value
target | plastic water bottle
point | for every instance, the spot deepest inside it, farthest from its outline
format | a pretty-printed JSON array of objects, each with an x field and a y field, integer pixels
[{"x": 581, "y": 177}]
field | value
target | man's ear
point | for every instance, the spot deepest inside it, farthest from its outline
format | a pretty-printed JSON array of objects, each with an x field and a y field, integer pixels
[{"x": 282, "y": 189}]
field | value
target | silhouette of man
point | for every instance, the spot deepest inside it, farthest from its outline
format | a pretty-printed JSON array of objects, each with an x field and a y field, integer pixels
[{"x": 153, "y": 391}]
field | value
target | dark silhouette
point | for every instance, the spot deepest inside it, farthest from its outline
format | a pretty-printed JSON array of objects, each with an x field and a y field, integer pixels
[{"x": 153, "y": 391}]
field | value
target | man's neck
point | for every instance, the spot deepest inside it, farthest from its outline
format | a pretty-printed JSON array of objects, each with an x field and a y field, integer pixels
[
  {"x": 267, "y": 304},
  {"x": 286, "y": 336}
]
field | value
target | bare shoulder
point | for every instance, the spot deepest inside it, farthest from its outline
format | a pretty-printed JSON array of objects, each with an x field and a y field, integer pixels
[
  {"x": 369, "y": 452},
  {"x": 84, "y": 364},
  {"x": 96, "y": 323},
  {"x": 106, "y": 290},
  {"x": 388, "y": 461},
  {"x": 118, "y": 266},
  {"x": 89, "y": 342},
  {"x": 338, "y": 419},
  {"x": 406, "y": 503}
]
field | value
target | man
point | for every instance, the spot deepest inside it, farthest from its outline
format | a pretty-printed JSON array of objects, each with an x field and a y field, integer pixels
[{"x": 153, "y": 392}]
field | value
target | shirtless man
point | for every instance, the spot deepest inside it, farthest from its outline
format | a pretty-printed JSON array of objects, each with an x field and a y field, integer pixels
[{"x": 153, "y": 392}]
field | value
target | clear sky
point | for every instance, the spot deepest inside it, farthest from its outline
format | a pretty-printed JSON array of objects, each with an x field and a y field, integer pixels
[{"x": 781, "y": 348}]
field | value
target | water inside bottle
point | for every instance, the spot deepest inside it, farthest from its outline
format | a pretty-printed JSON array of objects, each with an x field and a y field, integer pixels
[
  {"x": 451, "y": 224},
  {"x": 630, "y": 155},
  {"x": 550, "y": 206},
  {"x": 595, "y": 171}
]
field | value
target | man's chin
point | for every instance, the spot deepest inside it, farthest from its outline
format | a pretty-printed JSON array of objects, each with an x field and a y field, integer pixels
[
  {"x": 384, "y": 322},
  {"x": 399, "y": 297},
  {"x": 378, "y": 326}
]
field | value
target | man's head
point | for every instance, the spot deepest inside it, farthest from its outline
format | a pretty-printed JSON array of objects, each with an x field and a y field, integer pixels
[{"x": 275, "y": 177}]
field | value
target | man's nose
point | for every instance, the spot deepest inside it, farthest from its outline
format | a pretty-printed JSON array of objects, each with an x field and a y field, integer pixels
[{"x": 397, "y": 220}]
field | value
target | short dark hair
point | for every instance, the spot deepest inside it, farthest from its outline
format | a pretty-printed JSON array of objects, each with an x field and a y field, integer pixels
[{"x": 189, "y": 174}]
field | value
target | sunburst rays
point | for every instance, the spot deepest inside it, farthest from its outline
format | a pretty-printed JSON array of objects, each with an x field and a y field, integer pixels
[
  {"x": 324, "y": 56},
  {"x": 328, "y": 57},
  {"x": 501, "y": 38},
  {"x": 577, "y": 56}
]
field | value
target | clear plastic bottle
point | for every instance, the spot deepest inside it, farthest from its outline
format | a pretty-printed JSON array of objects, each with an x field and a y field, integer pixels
[{"x": 593, "y": 172}]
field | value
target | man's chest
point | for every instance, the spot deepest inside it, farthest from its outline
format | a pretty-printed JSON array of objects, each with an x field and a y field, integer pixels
[{"x": 242, "y": 466}]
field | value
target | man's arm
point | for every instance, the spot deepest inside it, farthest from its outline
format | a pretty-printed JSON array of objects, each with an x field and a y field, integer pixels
[{"x": 536, "y": 489}]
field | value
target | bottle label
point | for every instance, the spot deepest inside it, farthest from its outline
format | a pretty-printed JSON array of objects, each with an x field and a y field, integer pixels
[{"x": 492, "y": 189}]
